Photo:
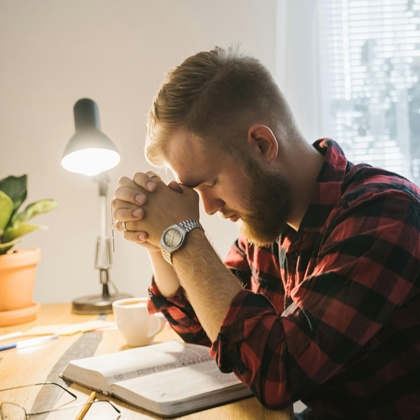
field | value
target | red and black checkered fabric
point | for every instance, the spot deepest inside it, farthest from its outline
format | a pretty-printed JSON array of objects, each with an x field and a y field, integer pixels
[{"x": 330, "y": 314}]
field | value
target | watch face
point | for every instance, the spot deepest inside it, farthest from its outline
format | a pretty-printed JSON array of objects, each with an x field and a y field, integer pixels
[{"x": 172, "y": 238}]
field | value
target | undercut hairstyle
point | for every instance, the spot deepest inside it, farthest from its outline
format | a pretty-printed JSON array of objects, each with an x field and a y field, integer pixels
[{"x": 216, "y": 95}]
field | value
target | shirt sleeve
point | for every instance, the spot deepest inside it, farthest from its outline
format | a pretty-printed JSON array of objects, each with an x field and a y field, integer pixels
[
  {"x": 179, "y": 313},
  {"x": 366, "y": 269},
  {"x": 237, "y": 261}
]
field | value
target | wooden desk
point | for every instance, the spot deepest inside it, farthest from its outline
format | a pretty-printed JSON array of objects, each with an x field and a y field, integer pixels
[{"x": 45, "y": 361}]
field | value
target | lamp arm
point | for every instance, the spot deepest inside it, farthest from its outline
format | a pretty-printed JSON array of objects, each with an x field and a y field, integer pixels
[
  {"x": 101, "y": 303},
  {"x": 103, "y": 245}
]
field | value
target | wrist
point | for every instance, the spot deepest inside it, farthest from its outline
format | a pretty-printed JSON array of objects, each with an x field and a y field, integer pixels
[
  {"x": 193, "y": 247},
  {"x": 175, "y": 236}
]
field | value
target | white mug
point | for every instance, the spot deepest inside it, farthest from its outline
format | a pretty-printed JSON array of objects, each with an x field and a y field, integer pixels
[{"x": 137, "y": 326}]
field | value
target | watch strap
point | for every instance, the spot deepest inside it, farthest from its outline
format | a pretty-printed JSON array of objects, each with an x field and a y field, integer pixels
[{"x": 190, "y": 224}]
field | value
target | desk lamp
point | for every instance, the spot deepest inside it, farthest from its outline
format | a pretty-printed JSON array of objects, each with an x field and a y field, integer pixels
[{"x": 91, "y": 152}]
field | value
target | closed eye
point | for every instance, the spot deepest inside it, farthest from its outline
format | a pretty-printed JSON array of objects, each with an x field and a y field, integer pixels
[
  {"x": 213, "y": 183},
  {"x": 199, "y": 185}
]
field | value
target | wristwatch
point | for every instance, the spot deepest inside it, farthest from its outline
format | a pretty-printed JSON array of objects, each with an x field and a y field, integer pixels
[{"x": 174, "y": 237}]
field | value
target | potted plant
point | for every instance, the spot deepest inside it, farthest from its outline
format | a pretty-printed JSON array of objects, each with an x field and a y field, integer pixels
[{"x": 17, "y": 266}]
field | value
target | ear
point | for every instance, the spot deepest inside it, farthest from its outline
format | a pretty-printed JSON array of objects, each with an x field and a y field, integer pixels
[{"x": 263, "y": 142}]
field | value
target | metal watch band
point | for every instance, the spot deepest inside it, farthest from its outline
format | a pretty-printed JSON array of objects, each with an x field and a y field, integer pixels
[{"x": 189, "y": 225}]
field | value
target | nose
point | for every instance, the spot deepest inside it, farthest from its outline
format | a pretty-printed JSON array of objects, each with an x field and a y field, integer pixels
[{"x": 211, "y": 204}]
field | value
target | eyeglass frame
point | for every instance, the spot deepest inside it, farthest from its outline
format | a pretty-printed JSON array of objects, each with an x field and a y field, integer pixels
[{"x": 64, "y": 407}]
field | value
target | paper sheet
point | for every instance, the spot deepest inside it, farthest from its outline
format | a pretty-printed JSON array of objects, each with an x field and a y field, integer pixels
[{"x": 70, "y": 329}]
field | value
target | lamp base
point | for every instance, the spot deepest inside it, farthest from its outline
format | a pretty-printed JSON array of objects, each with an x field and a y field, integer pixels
[{"x": 96, "y": 304}]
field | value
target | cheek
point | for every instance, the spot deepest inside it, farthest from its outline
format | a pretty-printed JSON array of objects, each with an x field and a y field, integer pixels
[{"x": 237, "y": 197}]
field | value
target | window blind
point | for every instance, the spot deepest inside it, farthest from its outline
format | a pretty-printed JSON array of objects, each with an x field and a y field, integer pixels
[{"x": 369, "y": 55}]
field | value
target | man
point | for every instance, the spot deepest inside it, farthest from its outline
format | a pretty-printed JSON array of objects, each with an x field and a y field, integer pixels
[{"x": 318, "y": 300}]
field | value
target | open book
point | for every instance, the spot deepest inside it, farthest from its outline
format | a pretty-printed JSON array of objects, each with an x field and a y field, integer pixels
[{"x": 168, "y": 379}]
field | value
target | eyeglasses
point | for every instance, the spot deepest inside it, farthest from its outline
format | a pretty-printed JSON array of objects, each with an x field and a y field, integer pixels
[{"x": 41, "y": 397}]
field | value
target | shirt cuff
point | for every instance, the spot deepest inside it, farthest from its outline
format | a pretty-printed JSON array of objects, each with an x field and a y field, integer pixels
[
  {"x": 245, "y": 314},
  {"x": 157, "y": 302}
]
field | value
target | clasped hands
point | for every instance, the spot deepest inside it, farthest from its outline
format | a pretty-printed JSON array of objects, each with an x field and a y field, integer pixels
[{"x": 148, "y": 206}]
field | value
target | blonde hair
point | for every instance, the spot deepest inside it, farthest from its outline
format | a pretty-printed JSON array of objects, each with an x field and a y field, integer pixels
[{"x": 217, "y": 96}]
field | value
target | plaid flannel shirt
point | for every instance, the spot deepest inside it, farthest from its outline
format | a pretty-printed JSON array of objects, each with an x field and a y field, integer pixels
[{"x": 330, "y": 314}]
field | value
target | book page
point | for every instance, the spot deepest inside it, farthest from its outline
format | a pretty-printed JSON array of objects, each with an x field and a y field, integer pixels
[
  {"x": 186, "y": 389},
  {"x": 99, "y": 372}
]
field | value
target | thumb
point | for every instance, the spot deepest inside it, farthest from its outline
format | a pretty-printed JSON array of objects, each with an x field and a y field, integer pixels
[{"x": 174, "y": 186}]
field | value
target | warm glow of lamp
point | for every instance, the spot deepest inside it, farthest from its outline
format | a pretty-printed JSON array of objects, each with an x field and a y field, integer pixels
[{"x": 90, "y": 161}]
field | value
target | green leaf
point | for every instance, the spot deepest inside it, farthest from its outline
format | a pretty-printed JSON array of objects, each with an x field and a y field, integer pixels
[
  {"x": 15, "y": 188},
  {"x": 33, "y": 209},
  {"x": 8, "y": 245},
  {"x": 16, "y": 232},
  {"x": 6, "y": 210}
]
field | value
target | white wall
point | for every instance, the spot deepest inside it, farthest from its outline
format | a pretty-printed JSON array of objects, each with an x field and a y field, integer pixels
[
  {"x": 54, "y": 52},
  {"x": 297, "y": 62}
]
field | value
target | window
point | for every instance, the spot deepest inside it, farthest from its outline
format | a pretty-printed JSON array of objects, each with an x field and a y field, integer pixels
[{"x": 369, "y": 53}]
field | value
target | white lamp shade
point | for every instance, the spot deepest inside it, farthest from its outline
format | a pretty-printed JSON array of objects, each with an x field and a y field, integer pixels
[
  {"x": 90, "y": 161},
  {"x": 89, "y": 151}
]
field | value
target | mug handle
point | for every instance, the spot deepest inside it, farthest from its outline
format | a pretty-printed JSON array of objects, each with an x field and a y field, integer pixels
[{"x": 158, "y": 323}]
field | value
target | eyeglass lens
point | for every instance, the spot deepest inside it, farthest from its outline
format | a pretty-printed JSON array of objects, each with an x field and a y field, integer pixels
[
  {"x": 26, "y": 402},
  {"x": 10, "y": 411}
]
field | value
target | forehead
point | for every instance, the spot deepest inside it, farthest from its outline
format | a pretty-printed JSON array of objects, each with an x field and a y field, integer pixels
[{"x": 191, "y": 162}]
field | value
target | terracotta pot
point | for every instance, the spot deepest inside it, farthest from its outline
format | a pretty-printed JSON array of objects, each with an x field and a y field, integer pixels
[{"x": 17, "y": 278}]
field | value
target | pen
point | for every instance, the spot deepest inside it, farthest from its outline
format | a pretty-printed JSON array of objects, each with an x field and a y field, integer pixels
[
  {"x": 86, "y": 407},
  {"x": 27, "y": 343},
  {"x": 11, "y": 335}
]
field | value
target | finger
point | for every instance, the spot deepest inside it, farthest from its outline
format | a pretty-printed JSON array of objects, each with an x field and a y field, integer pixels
[
  {"x": 131, "y": 195},
  {"x": 121, "y": 226},
  {"x": 130, "y": 226},
  {"x": 174, "y": 186},
  {"x": 119, "y": 208},
  {"x": 125, "y": 226},
  {"x": 152, "y": 174},
  {"x": 128, "y": 214},
  {"x": 146, "y": 180},
  {"x": 123, "y": 210},
  {"x": 138, "y": 237},
  {"x": 125, "y": 181}
]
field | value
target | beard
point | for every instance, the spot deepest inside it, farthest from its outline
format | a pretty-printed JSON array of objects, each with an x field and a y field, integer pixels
[{"x": 268, "y": 205}]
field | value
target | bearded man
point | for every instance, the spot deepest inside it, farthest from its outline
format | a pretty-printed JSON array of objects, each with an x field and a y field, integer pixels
[{"x": 318, "y": 300}]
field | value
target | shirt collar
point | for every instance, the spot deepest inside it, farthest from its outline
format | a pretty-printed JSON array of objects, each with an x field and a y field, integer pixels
[{"x": 328, "y": 187}]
